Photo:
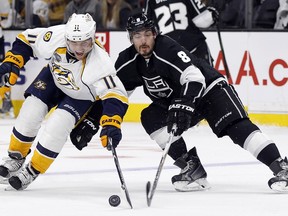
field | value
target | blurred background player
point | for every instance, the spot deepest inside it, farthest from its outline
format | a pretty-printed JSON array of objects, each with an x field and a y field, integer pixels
[
  {"x": 41, "y": 13},
  {"x": 6, "y": 109},
  {"x": 91, "y": 7},
  {"x": 79, "y": 73},
  {"x": 182, "y": 20},
  {"x": 114, "y": 14}
]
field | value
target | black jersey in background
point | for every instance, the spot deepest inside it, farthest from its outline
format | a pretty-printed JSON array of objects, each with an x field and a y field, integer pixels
[{"x": 182, "y": 20}]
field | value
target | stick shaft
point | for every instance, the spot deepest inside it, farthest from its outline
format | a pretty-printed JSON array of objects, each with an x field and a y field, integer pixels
[
  {"x": 223, "y": 52},
  {"x": 120, "y": 174},
  {"x": 151, "y": 191}
]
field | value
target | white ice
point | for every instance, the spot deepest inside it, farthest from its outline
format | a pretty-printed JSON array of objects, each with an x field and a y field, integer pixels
[{"x": 81, "y": 182}]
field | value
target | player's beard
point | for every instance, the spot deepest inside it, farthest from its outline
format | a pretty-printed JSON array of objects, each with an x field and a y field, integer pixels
[{"x": 145, "y": 51}]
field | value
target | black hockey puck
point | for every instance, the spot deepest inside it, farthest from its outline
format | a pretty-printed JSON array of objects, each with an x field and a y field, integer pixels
[{"x": 114, "y": 200}]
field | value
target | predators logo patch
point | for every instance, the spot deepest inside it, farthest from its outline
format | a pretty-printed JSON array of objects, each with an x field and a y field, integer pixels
[
  {"x": 47, "y": 36},
  {"x": 64, "y": 77},
  {"x": 39, "y": 84}
]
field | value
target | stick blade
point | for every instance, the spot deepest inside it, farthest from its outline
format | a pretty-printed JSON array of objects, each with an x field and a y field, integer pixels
[{"x": 148, "y": 190}]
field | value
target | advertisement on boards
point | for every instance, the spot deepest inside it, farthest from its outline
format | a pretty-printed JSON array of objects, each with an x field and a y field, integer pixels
[{"x": 257, "y": 61}]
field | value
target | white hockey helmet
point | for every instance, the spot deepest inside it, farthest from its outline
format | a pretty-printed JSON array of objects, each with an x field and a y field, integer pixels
[{"x": 80, "y": 27}]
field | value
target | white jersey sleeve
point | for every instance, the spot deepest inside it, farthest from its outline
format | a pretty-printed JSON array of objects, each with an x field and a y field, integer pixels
[
  {"x": 100, "y": 72},
  {"x": 44, "y": 41},
  {"x": 91, "y": 78}
]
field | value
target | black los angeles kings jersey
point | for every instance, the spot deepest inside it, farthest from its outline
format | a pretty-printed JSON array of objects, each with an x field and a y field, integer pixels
[
  {"x": 174, "y": 18},
  {"x": 165, "y": 74}
]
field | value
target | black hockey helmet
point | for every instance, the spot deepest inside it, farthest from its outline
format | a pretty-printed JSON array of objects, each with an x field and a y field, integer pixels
[{"x": 139, "y": 22}]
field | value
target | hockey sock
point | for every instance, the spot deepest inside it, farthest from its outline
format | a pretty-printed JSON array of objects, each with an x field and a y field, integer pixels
[{"x": 177, "y": 149}]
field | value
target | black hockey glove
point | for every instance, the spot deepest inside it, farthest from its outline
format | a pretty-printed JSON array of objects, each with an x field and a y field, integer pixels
[
  {"x": 215, "y": 14},
  {"x": 180, "y": 113},
  {"x": 10, "y": 69},
  {"x": 110, "y": 132},
  {"x": 82, "y": 134}
]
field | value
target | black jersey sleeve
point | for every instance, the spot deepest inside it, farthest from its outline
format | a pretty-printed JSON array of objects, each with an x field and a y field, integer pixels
[
  {"x": 126, "y": 68},
  {"x": 178, "y": 63}
]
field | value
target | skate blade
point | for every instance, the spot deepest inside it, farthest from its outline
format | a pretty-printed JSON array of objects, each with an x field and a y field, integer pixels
[
  {"x": 198, "y": 185},
  {"x": 3, "y": 180},
  {"x": 280, "y": 186},
  {"x": 5, "y": 185},
  {"x": 9, "y": 188}
]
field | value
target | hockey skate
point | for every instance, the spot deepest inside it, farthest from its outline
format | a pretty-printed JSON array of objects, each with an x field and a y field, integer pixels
[
  {"x": 279, "y": 183},
  {"x": 11, "y": 166},
  {"x": 192, "y": 176},
  {"x": 23, "y": 178}
]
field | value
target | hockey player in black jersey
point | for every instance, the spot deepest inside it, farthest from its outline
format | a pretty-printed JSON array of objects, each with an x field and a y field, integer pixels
[
  {"x": 183, "y": 20},
  {"x": 185, "y": 89}
]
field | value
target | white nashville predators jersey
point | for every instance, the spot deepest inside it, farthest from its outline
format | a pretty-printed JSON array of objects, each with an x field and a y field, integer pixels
[{"x": 88, "y": 79}]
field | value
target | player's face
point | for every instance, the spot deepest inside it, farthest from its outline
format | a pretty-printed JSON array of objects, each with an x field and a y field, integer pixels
[
  {"x": 144, "y": 42},
  {"x": 80, "y": 49}
]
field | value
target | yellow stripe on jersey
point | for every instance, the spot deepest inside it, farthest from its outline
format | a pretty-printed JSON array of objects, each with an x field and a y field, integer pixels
[
  {"x": 5, "y": 15},
  {"x": 17, "y": 145},
  {"x": 40, "y": 162},
  {"x": 122, "y": 98},
  {"x": 99, "y": 44},
  {"x": 61, "y": 50},
  {"x": 23, "y": 38}
]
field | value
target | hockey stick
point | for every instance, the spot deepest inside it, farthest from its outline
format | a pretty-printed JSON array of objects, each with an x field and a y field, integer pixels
[
  {"x": 223, "y": 53},
  {"x": 119, "y": 171},
  {"x": 150, "y": 191}
]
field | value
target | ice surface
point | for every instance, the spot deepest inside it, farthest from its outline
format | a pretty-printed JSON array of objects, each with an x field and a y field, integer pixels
[{"x": 81, "y": 182}]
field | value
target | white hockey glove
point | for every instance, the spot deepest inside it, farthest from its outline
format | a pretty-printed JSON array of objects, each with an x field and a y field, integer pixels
[{"x": 215, "y": 14}]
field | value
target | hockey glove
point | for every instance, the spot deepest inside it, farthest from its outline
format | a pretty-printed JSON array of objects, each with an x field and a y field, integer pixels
[
  {"x": 82, "y": 134},
  {"x": 215, "y": 14},
  {"x": 111, "y": 129},
  {"x": 180, "y": 113},
  {"x": 10, "y": 69},
  {"x": 110, "y": 132}
]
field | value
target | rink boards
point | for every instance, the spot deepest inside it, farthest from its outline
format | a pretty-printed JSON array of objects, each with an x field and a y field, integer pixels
[{"x": 257, "y": 62}]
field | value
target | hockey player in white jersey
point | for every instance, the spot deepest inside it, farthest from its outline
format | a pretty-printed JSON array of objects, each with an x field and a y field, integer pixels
[{"x": 79, "y": 73}]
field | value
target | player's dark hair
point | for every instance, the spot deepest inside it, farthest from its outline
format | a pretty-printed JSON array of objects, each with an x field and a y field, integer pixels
[{"x": 139, "y": 22}]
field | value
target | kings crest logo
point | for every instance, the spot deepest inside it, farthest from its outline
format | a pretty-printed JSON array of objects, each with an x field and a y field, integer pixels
[
  {"x": 47, "y": 36},
  {"x": 157, "y": 87}
]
